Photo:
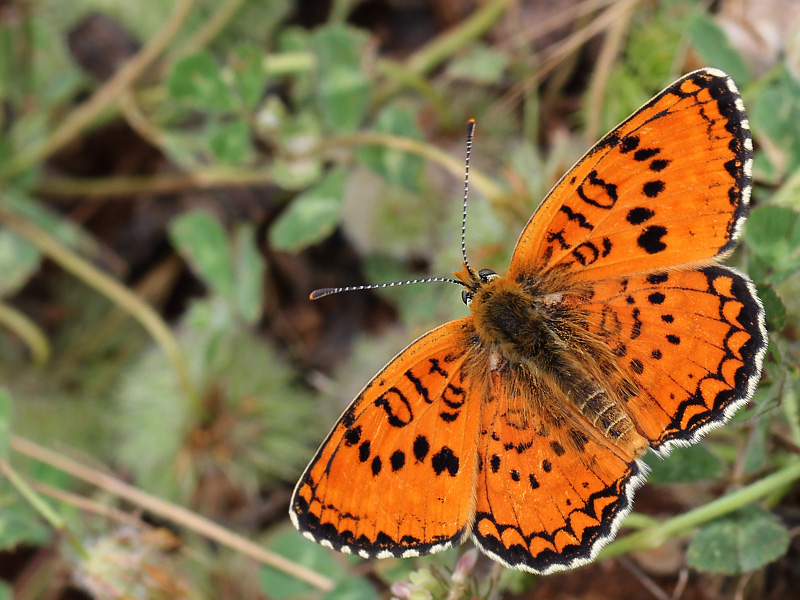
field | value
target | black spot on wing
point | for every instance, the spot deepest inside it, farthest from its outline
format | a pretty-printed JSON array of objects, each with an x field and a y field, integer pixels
[
  {"x": 421, "y": 448},
  {"x": 650, "y": 239},
  {"x": 629, "y": 143},
  {"x": 352, "y": 436},
  {"x": 638, "y": 215},
  {"x": 397, "y": 460},
  {"x": 652, "y": 189},
  {"x": 445, "y": 460},
  {"x": 645, "y": 153}
]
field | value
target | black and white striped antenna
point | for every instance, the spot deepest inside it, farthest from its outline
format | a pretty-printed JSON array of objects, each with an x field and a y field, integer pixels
[{"x": 321, "y": 293}]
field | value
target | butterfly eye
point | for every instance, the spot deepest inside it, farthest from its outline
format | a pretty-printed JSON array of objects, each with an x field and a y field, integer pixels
[
  {"x": 466, "y": 296},
  {"x": 486, "y": 275}
]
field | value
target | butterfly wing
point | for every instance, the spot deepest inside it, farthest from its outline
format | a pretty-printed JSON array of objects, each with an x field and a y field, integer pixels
[
  {"x": 551, "y": 491},
  {"x": 668, "y": 186},
  {"x": 692, "y": 340},
  {"x": 395, "y": 476}
]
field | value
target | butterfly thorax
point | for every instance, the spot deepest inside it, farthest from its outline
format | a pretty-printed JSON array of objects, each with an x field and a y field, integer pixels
[{"x": 537, "y": 333}]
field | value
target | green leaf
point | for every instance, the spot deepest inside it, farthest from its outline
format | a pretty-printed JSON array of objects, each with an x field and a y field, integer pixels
[
  {"x": 19, "y": 260},
  {"x": 684, "y": 465},
  {"x": 249, "y": 74},
  {"x": 64, "y": 230},
  {"x": 19, "y": 522},
  {"x": 743, "y": 541},
  {"x": 197, "y": 81},
  {"x": 481, "y": 64},
  {"x": 248, "y": 267},
  {"x": 312, "y": 216},
  {"x": 5, "y": 421},
  {"x": 203, "y": 243},
  {"x": 343, "y": 91},
  {"x": 774, "y": 308},
  {"x": 230, "y": 142},
  {"x": 397, "y": 167},
  {"x": 712, "y": 44},
  {"x": 6, "y": 591},
  {"x": 290, "y": 544},
  {"x": 755, "y": 455},
  {"x": 773, "y": 234},
  {"x": 297, "y": 167},
  {"x": 775, "y": 113}
]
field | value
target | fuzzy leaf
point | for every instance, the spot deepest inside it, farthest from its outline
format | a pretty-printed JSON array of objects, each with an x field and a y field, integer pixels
[
  {"x": 773, "y": 234},
  {"x": 343, "y": 90},
  {"x": 196, "y": 80},
  {"x": 773, "y": 307},
  {"x": 19, "y": 260},
  {"x": 230, "y": 142},
  {"x": 684, "y": 465},
  {"x": 743, "y": 541},
  {"x": 775, "y": 113},
  {"x": 248, "y": 73},
  {"x": 312, "y": 216},
  {"x": 289, "y": 543},
  {"x": 481, "y": 64},
  {"x": 203, "y": 242},
  {"x": 716, "y": 49},
  {"x": 249, "y": 267},
  {"x": 399, "y": 168},
  {"x": 19, "y": 522}
]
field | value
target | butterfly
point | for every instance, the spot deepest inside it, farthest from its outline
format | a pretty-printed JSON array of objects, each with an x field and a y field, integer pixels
[{"x": 615, "y": 331}]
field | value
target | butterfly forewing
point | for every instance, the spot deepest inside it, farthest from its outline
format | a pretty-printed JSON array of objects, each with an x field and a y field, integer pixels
[
  {"x": 395, "y": 476},
  {"x": 669, "y": 186}
]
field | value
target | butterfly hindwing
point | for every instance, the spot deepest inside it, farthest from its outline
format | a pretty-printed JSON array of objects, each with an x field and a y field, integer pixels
[
  {"x": 551, "y": 490},
  {"x": 395, "y": 476},
  {"x": 693, "y": 341},
  {"x": 668, "y": 186}
]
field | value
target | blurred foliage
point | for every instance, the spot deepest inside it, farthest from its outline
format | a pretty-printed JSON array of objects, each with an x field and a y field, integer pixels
[{"x": 212, "y": 401}]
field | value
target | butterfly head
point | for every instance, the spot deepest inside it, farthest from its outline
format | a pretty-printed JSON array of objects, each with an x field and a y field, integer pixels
[{"x": 473, "y": 281}]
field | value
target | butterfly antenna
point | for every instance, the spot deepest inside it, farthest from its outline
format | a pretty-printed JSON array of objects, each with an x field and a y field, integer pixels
[
  {"x": 470, "y": 135},
  {"x": 321, "y": 293}
]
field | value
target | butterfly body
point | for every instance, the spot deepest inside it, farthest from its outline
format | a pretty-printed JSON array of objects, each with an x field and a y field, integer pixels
[
  {"x": 532, "y": 335},
  {"x": 615, "y": 331}
]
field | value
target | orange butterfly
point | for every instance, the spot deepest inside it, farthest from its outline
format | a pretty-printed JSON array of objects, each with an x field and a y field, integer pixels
[{"x": 615, "y": 330}]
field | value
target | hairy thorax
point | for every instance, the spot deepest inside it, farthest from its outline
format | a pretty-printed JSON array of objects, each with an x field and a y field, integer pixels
[{"x": 541, "y": 335}]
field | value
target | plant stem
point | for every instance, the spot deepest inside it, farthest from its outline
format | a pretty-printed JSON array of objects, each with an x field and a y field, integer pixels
[
  {"x": 169, "y": 183},
  {"x": 444, "y": 46},
  {"x": 656, "y": 536},
  {"x": 40, "y": 505},
  {"x": 28, "y": 331},
  {"x": 105, "y": 97},
  {"x": 167, "y": 510},
  {"x": 112, "y": 289},
  {"x": 455, "y": 166}
]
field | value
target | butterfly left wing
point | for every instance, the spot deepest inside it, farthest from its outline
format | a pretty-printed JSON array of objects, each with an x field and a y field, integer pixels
[
  {"x": 551, "y": 491},
  {"x": 395, "y": 476}
]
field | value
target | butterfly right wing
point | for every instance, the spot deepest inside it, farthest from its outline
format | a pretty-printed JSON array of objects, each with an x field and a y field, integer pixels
[
  {"x": 395, "y": 477},
  {"x": 669, "y": 186}
]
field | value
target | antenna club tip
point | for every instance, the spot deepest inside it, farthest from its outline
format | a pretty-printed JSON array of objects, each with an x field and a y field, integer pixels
[
  {"x": 317, "y": 294},
  {"x": 471, "y": 121}
]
